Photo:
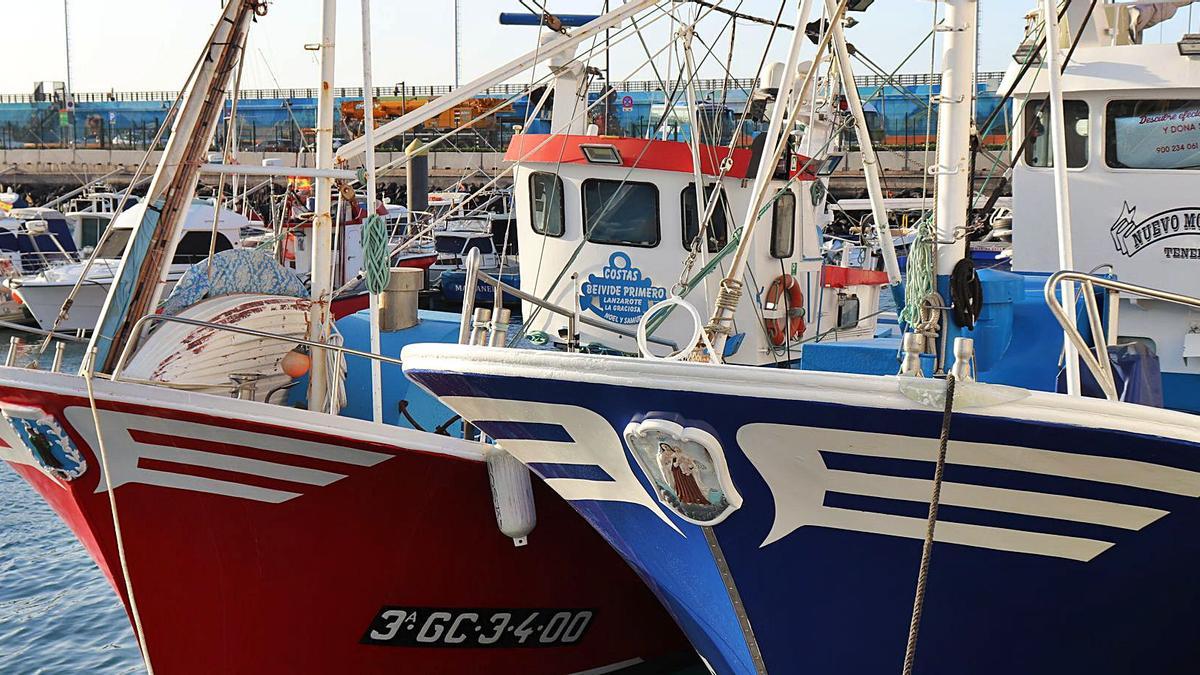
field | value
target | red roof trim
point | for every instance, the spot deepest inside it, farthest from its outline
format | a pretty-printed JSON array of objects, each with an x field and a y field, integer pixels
[{"x": 646, "y": 154}]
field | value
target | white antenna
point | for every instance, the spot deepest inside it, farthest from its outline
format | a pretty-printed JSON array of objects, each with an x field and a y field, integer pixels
[
  {"x": 69, "y": 94},
  {"x": 457, "y": 42},
  {"x": 67, "y": 44}
]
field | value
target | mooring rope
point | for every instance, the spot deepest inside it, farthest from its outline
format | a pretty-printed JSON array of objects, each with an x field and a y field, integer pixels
[
  {"x": 88, "y": 372},
  {"x": 910, "y": 652}
]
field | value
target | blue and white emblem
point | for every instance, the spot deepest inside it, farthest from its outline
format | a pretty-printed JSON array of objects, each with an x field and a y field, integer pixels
[
  {"x": 686, "y": 465},
  {"x": 48, "y": 444},
  {"x": 620, "y": 293}
]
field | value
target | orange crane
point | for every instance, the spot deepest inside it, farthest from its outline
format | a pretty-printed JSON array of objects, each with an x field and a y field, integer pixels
[{"x": 389, "y": 108}]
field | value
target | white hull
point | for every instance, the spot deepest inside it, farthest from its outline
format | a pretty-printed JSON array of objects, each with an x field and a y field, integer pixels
[{"x": 44, "y": 300}]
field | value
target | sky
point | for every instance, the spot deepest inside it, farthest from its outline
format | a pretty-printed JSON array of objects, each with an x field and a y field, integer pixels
[{"x": 128, "y": 45}]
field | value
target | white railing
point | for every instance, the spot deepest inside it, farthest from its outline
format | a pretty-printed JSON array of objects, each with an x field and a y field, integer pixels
[
  {"x": 1096, "y": 357},
  {"x": 482, "y": 327}
]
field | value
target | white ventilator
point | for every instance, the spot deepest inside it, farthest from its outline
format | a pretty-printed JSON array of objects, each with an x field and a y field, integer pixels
[{"x": 512, "y": 495}]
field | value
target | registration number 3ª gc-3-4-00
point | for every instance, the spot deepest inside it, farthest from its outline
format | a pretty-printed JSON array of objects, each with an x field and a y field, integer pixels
[{"x": 477, "y": 627}]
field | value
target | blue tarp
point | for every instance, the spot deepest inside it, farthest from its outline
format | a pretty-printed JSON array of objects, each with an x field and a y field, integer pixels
[{"x": 239, "y": 270}]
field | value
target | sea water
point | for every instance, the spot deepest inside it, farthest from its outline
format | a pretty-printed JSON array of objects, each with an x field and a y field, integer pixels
[{"x": 58, "y": 614}]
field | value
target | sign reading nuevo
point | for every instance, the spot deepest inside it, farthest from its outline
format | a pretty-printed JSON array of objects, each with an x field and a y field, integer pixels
[{"x": 1131, "y": 237}]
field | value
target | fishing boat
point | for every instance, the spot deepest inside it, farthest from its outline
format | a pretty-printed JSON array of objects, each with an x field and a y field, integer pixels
[
  {"x": 483, "y": 225},
  {"x": 262, "y": 486},
  {"x": 917, "y": 501},
  {"x": 87, "y": 282}
]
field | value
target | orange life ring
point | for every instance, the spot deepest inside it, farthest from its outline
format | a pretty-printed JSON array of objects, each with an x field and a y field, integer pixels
[{"x": 785, "y": 322}]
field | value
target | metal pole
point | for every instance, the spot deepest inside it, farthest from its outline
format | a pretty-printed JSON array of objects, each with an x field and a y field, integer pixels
[
  {"x": 468, "y": 309},
  {"x": 322, "y": 224},
  {"x": 369, "y": 135},
  {"x": 457, "y": 42},
  {"x": 694, "y": 146},
  {"x": 68, "y": 96},
  {"x": 403, "y": 106},
  {"x": 869, "y": 159},
  {"x": 1062, "y": 197},
  {"x": 954, "y": 132}
]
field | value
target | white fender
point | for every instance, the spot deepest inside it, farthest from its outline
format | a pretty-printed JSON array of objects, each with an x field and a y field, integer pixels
[{"x": 512, "y": 495}]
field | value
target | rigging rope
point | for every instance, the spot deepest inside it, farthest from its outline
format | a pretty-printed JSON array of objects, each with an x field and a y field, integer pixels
[
  {"x": 914, "y": 626},
  {"x": 739, "y": 15},
  {"x": 88, "y": 372},
  {"x": 922, "y": 260}
]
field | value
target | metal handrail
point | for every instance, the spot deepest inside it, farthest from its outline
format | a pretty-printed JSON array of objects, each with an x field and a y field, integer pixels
[
  {"x": 474, "y": 274},
  {"x": 1096, "y": 357},
  {"x": 136, "y": 333}
]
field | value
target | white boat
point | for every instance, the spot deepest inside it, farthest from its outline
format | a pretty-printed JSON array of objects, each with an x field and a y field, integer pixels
[
  {"x": 90, "y": 213},
  {"x": 31, "y": 240},
  {"x": 43, "y": 292},
  {"x": 461, "y": 236}
]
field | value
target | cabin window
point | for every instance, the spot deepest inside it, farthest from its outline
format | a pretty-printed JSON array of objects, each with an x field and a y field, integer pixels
[
  {"x": 448, "y": 244},
  {"x": 718, "y": 226},
  {"x": 114, "y": 246},
  {"x": 1162, "y": 134},
  {"x": 90, "y": 230},
  {"x": 624, "y": 213},
  {"x": 546, "y": 203},
  {"x": 1039, "y": 150},
  {"x": 462, "y": 246},
  {"x": 783, "y": 225},
  {"x": 194, "y": 247}
]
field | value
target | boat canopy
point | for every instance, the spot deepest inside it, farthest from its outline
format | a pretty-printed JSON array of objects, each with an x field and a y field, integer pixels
[{"x": 35, "y": 231}]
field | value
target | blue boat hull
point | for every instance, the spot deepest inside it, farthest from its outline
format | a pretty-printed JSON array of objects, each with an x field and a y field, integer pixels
[
  {"x": 1062, "y": 548},
  {"x": 453, "y": 286}
]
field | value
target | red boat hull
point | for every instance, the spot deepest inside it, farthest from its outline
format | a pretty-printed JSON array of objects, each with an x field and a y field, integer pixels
[
  {"x": 349, "y": 304},
  {"x": 258, "y": 543}
]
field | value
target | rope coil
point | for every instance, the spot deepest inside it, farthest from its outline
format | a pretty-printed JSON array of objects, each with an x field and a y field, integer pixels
[{"x": 377, "y": 260}]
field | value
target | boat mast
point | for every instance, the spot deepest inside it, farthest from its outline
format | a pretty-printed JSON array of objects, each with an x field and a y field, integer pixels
[
  {"x": 137, "y": 285},
  {"x": 321, "y": 284},
  {"x": 1062, "y": 196},
  {"x": 777, "y": 130},
  {"x": 866, "y": 147},
  {"x": 369, "y": 161},
  {"x": 955, "y": 105}
]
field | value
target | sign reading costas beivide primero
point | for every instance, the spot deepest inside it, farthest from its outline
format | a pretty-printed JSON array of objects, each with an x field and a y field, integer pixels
[
  {"x": 1131, "y": 236},
  {"x": 620, "y": 293}
]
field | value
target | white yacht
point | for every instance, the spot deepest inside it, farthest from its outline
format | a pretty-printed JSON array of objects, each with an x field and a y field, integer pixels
[{"x": 45, "y": 290}]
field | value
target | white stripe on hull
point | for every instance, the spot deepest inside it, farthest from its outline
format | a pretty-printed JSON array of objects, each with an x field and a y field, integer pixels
[
  {"x": 789, "y": 459},
  {"x": 125, "y": 453}
]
